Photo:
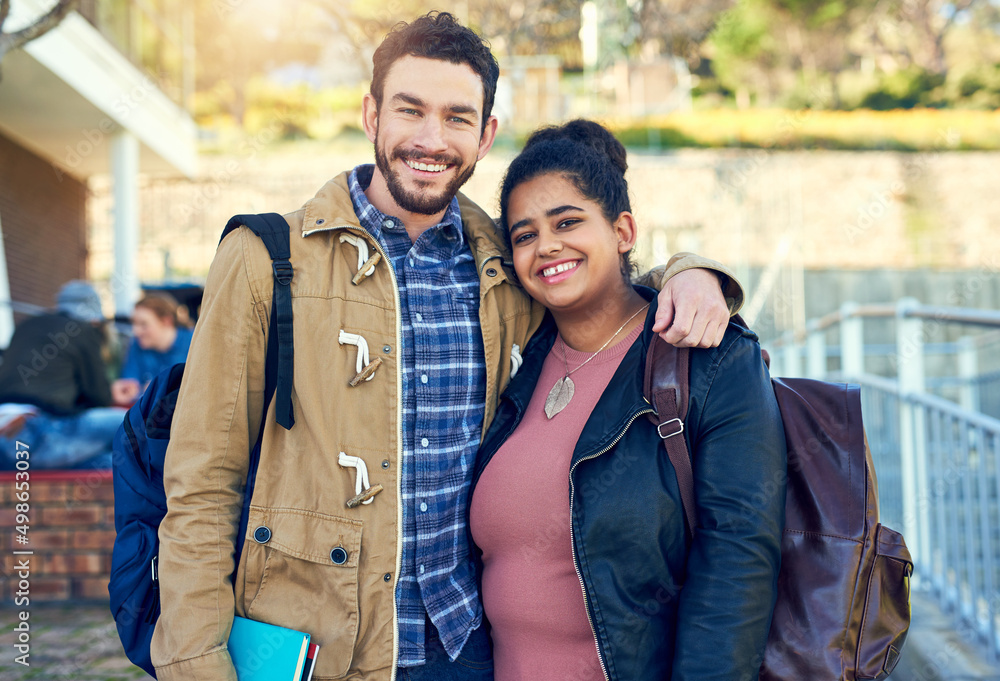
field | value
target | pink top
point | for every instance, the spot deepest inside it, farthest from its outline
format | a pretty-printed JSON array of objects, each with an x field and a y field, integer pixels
[{"x": 520, "y": 519}]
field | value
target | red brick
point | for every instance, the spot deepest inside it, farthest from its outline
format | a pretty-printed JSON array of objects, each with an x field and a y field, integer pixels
[
  {"x": 93, "y": 488},
  {"x": 48, "y": 539},
  {"x": 40, "y": 208},
  {"x": 94, "y": 539},
  {"x": 75, "y": 564},
  {"x": 88, "y": 514},
  {"x": 8, "y": 518},
  {"x": 50, "y": 589},
  {"x": 10, "y": 563},
  {"x": 91, "y": 588},
  {"x": 47, "y": 492}
]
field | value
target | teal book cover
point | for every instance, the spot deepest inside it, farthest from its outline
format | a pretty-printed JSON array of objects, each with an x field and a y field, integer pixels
[{"x": 266, "y": 652}]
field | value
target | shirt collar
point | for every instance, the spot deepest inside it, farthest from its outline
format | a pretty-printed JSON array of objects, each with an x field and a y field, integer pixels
[{"x": 374, "y": 220}]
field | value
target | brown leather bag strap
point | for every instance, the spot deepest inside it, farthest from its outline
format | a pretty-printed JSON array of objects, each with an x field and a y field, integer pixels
[{"x": 665, "y": 385}]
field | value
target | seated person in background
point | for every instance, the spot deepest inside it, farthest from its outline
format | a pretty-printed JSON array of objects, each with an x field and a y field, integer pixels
[
  {"x": 54, "y": 393},
  {"x": 159, "y": 341}
]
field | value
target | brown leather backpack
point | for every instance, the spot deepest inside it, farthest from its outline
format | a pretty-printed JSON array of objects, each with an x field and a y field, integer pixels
[{"x": 842, "y": 610}]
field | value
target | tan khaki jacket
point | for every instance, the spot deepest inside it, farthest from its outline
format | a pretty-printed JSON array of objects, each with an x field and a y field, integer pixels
[{"x": 292, "y": 579}]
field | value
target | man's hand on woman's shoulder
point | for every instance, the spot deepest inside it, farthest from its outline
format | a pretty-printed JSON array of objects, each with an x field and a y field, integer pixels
[{"x": 692, "y": 310}]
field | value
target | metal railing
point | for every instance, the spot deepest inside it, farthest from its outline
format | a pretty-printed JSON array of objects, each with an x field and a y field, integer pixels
[
  {"x": 971, "y": 377},
  {"x": 942, "y": 484},
  {"x": 937, "y": 461}
]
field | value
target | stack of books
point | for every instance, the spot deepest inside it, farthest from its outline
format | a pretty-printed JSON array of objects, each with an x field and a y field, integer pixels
[{"x": 267, "y": 652}]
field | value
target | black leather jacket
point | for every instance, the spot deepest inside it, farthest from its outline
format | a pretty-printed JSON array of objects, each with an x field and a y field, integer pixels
[{"x": 663, "y": 606}]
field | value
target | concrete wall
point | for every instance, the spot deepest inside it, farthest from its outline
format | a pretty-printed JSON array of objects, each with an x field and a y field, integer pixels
[{"x": 805, "y": 231}]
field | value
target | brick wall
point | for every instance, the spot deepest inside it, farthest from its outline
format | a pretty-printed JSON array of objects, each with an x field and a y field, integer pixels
[
  {"x": 71, "y": 531},
  {"x": 43, "y": 215}
]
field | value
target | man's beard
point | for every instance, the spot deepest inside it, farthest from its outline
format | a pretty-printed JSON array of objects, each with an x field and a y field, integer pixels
[{"x": 419, "y": 202}]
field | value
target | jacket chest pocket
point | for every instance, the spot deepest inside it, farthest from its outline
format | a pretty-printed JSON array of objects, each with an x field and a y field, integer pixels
[{"x": 301, "y": 572}]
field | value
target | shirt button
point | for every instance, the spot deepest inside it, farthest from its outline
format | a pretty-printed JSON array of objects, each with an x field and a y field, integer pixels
[
  {"x": 423, "y": 378},
  {"x": 423, "y": 507},
  {"x": 420, "y": 317},
  {"x": 388, "y": 224},
  {"x": 412, "y": 262},
  {"x": 421, "y": 569},
  {"x": 424, "y": 442}
]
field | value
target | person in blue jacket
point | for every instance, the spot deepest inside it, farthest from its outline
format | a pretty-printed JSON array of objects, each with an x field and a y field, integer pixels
[
  {"x": 589, "y": 571},
  {"x": 159, "y": 340}
]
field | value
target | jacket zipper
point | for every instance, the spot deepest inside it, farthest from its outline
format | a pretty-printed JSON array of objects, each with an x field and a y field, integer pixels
[
  {"x": 576, "y": 562},
  {"x": 399, "y": 464},
  {"x": 399, "y": 432}
]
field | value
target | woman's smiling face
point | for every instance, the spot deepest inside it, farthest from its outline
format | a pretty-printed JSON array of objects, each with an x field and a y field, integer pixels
[{"x": 567, "y": 254}]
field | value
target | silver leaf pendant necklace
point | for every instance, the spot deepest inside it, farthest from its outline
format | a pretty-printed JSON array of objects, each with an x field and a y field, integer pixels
[{"x": 562, "y": 392}]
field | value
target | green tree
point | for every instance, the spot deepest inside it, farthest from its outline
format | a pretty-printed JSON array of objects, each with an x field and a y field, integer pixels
[{"x": 745, "y": 51}]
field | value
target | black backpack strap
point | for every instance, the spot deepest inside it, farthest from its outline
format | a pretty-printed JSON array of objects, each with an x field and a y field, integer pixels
[
  {"x": 273, "y": 231},
  {"x": 665, "y": 385}
]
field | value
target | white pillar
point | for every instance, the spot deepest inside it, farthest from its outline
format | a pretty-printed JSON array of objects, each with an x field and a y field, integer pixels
[
  {"x": 912, "y": 430},
  {"x": 125, "y": 174},
  {"x": 909, "y": 347},
  {"x": 852, "y": 342},
  {"x": 6, "y": 304},
  {"x": 816, "y": 351},
  {"x": 968, "y": 370}
]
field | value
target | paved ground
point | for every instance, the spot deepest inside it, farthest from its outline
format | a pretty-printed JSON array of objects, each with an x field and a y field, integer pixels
[
  {"x": 76, "y": 643},
  {"x": 935, "y": 651},
  {"x": 80, "y": 644}
]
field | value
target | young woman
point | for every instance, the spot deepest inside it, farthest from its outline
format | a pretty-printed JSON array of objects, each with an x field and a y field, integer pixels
[
  {"x": 588, "y": 572},
  {"x": 159, "y": 340}
]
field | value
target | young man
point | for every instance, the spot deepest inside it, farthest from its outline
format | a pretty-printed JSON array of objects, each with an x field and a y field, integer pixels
[{"x": 387, "y": 588}]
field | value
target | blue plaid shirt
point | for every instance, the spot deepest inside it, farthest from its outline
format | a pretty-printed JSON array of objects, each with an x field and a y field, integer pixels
[{"x": 443, "y": 401}]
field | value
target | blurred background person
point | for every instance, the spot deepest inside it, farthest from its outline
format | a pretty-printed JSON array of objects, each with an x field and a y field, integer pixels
[
  {"x": 55, "y": 398},
  {"x": 160, "y": 339}
]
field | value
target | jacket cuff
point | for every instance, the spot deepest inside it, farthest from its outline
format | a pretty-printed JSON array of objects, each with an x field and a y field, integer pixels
[
  {"x": 213, "y": 666},
  {"x": 732, "y": 290}
]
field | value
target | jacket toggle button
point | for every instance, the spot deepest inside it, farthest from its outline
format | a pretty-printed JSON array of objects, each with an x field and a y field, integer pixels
[
  {"x": 365, "y": 366},
  {"x": 364, "y": 496},
  {"x": 338, "y": 555},
  {"x": 262, "y": 535}
]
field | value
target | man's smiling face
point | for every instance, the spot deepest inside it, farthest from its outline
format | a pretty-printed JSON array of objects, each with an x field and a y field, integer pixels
[{"x": 428, "y": 134}]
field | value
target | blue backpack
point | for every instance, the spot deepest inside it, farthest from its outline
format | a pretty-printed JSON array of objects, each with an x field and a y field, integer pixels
[{"x": 141, "y": 443}]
